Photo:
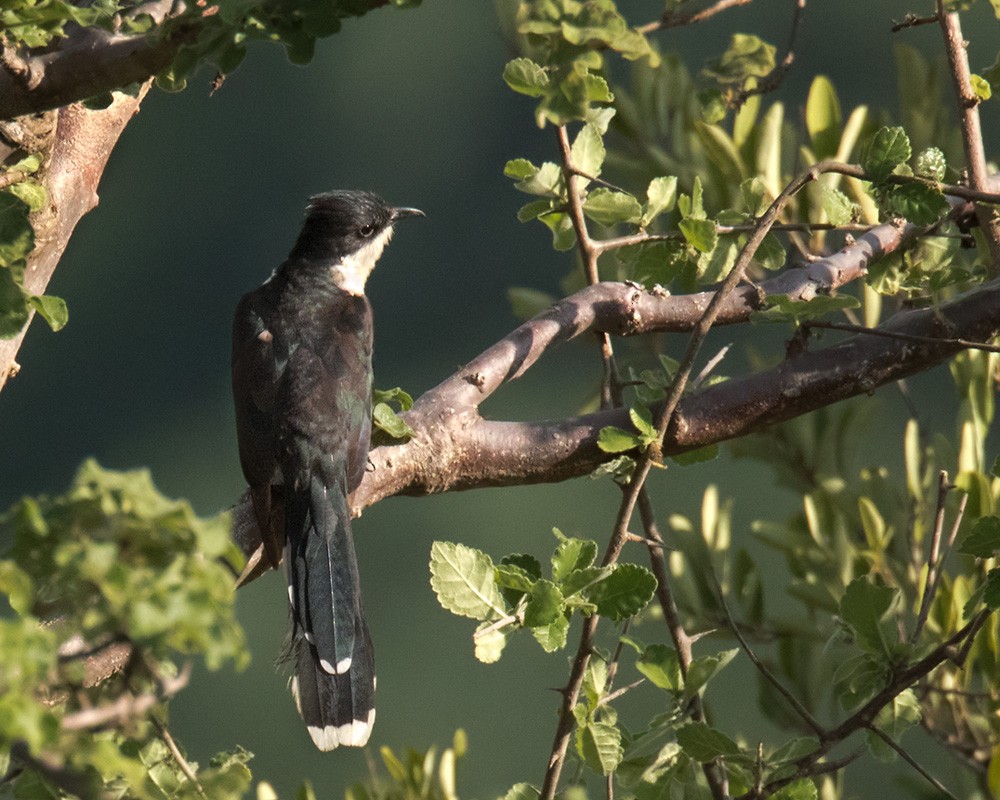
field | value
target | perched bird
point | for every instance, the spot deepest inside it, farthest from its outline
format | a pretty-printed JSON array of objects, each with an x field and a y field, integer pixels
[{"x": 302, "y": 385}]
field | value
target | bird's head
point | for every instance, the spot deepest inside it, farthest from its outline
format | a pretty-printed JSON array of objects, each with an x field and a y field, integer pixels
[{"x": 347, "y": 230}]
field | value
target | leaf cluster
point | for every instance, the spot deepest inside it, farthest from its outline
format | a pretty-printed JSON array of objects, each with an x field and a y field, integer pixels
[
  {"x": 513, "y": 595},
  {"x": 110, "y": 564}
]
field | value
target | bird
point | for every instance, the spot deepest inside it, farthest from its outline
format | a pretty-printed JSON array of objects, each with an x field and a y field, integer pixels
[{"x": 302, "y": 390}]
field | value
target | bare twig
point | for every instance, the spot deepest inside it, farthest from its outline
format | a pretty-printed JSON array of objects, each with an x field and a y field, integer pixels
[
  {"x": 972, "y": 134},
  {"x": 769, "y": 676},
  {"x": 126, "y": 707},
  {"x": 913, "y": 21},
  {"x": 906, "y": 337},
  {"x": 674, "y": 20},
  {"x": 911, "y": 761},
  {"x": 178, "y": 756},
  {"x": 774, "y": 78}
]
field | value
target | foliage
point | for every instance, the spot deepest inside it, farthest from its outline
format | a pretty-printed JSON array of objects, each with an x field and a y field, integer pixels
[
  {"x": 892, "y": 577},
  {"x": 111, "y": 573}
]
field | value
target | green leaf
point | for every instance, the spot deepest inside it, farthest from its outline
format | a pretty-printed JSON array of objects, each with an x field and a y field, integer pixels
[
  {"x": 983, "y": 540},
  {"x": 782, "y": 308},
  {"x": 396, "y": 395},
  {"x": 839, "y": 208},
  {"x": 661, "y": 196},
  {"x": 823, "y": 118},
  {"x": 703, "y": 743},
  {"x": 980, "y": 87},
  {"x": 563, "y": 235},
  {"x": 931, "y": 164},
  {"x": 624, "y": 593},
  {"x": 31, "y": 193},
  {"x": 463, "y": 580},
  {"x": 771, "y": 253},
  {"x": 386, "y": 420},
  {"x": 17, "y": 237},
  {"x": 552, "y": 637},
  {"x": 572, "y": 554},
  {"x": 661, "y": 665},
  {"x": 608, "y": 207},
  {"x": 654, "y": 263},
  {"x": 642, "y": 418},
  {"x": 704, "y": 668},
  {"x": 14, "y": 307},
  {"x": 488, "y": 646},
  {"x": 521, "y": 791},
  {"x": 52, "y": 309},
  {"x": 546, "y": 181},
  {"x": 587, "y": 153},
  {"x": 526, "y": 77},
  {"x": 748, "y": 56},
  {"x": 519, "y": 169},
  {"x": 699, "y": 233},
  {"x": 709, "y": 452},
  {"x": 545, "y": 604},
  {"x": 599, "y": 744},
  {"x": 916, "y": 203},
  {"x": 614, "y": 440},
  {"x": 802, "y": 789},
  {"x": 865, "y": 607},
  {"x": 889, "y": 148}
]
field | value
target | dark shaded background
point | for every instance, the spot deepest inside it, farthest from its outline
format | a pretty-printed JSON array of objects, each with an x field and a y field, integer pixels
[{"x": 203, "y": 198}]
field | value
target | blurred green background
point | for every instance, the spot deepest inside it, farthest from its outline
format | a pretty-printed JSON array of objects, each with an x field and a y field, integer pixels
[{"x": 203, "y": 197}]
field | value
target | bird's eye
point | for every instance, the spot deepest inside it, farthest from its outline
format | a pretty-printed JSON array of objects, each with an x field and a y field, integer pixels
[{"x": 367, "y": 230}]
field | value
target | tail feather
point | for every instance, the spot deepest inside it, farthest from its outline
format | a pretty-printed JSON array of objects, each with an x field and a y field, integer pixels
[
  {"x": 334, "y": 681},
  {"x": 337, "y": 709}
]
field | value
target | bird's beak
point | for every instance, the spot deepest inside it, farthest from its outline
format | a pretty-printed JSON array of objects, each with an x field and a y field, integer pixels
[{"x": 399, "y": 213}]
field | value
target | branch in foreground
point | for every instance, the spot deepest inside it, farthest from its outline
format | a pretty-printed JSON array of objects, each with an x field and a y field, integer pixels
[{"x": 83, "y": 143}]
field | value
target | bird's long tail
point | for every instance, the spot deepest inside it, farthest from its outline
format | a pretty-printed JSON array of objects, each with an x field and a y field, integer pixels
[{"x": 334, "y": 681}]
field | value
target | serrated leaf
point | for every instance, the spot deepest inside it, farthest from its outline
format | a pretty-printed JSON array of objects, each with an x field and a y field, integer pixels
[
  {"x": 838, "y": 206},
  {"x": 864, "y": 607},
  {"x": 526, "y": 77},
  {"x": 699, "y": 233},
  {"x": 546, "y": 181},
  {"x": 661, "y": 665},
  {"x": 599, "y": 744},
  {"x": 552, "y": 637},
  {"x": 889, "y": 148},
  {"x": 747, "y": 56},
  {"x": 654, "y": 263},
  {"x": 704, "y": 743},
  {"x": 463, "y": 580},
  {"x": 17, "y": 237},
  {"x": 983, "y": 540},
  {"x": 661, "y": 196},
  {"x": 587, "y": 152},
  {"x": 545, "y": 604},
  {"x": 623, "y": 593},
  {"x": 642, "y": 418},
  {"x": 771, "y": 253},
  {"x": 916, "y": 203},
  {"x": 488, "y": 647},
  {"x": 388, "y": 421},
  {"x": 52, "y": 309},
  {"x": 608, "y": 207},
  {"x": 614, "y": 440},
  {"x": 519, "y": 169},
  {"x": 572, "y": 554},
  {"x": 802, "y": 789},
  {"x": 31, "y": 193},
  {"x": 704, "y": 668}
]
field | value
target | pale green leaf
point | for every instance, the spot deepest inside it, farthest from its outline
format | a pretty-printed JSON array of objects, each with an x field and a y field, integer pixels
[{"x": 463, "y": 580}]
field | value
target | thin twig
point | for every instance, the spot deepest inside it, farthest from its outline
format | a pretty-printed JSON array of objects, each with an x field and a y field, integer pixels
[
  {"x": 906, "y": 337},
  {"x": 911, "y": 761},
  {"x": 175, "y": 751},
  {"x": 774, "y": 78},
  {"x": 944, "y": 486},
  {"x": 972, "y": 133},
  {"x": 713, "y": 362},
  {"x": 913, "y": 21},
  {"x": 673, "y": 20},
  {"x": 769, "y": 676}
]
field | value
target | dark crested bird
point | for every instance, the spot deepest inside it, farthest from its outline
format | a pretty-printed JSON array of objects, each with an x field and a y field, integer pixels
[{"x": 302, "y": 385}]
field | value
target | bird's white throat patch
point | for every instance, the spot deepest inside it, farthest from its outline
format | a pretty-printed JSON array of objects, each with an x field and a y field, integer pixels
[{"x": 351, "y": 272}]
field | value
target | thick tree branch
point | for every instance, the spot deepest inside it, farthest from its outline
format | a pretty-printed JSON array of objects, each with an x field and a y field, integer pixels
[{"x": 83, "y": 143}]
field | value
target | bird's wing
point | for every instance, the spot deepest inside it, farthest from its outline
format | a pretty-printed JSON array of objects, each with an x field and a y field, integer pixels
[{"x": 257, "y": 369}]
